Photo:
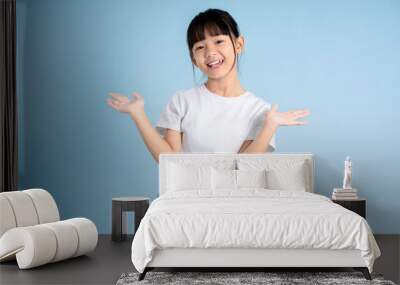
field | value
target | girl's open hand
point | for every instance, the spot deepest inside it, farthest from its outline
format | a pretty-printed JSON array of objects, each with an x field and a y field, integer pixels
[
  {"x": 289, "y": 118},
  {"x": 124, "y": 105}
]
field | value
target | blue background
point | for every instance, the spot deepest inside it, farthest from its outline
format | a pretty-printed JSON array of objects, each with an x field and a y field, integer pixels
[{"x": 340, "y": 59}]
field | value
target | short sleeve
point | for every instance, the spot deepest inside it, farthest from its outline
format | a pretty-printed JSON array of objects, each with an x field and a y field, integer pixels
[
  {"x": 172, "y": 115},
  {"x": 257, "y": 125}
]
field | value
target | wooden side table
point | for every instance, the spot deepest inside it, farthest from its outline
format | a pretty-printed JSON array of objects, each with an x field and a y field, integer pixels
[
  {"x": 358, "y": 206},
  {"x": 120, "y": 206}
]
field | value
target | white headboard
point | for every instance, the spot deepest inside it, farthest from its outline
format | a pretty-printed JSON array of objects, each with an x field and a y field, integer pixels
[{"x": 216, "y": 159}]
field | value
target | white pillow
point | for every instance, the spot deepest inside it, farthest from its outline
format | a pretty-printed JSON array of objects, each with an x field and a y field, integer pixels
[
  {"x": 236, "y": 179},
  {"x": 282, "y": 174},
  {"x": 289, "y": 179},
  {"x": 223, "y": 179},
  {"x": 251, "y": 178},
  {"x": 188, "y": 177}
]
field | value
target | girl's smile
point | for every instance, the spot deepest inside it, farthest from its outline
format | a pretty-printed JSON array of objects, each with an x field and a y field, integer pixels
[{"x": 215, "y": 64}]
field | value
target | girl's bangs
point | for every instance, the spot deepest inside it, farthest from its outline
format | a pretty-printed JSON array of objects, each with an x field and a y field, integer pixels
[{"x": 214, "y": 28}]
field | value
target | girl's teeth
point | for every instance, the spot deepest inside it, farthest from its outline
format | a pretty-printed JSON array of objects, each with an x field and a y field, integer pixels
[{"x": 211, "y": 64}]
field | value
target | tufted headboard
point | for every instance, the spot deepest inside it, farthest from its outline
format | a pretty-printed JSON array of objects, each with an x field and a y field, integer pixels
[{"x": 232, "y": 160}]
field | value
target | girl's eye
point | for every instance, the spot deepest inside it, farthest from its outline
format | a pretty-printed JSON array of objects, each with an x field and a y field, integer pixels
[
  {"x": 200, "y": 47},
  {"x": 220, "y": 41}
]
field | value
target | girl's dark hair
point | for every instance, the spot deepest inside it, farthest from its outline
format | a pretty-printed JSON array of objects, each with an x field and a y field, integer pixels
[{"x": 216, "y": 22}]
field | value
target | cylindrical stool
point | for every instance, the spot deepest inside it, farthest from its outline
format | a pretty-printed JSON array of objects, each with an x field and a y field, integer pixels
[{"x": 120, "y": 206}]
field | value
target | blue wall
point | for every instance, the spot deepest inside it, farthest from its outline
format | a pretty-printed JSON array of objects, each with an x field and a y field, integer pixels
[{"x": 340, "y": 59}]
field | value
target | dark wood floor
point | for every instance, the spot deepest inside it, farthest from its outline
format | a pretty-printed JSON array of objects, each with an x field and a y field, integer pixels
[{"x": 111, "y": 259}]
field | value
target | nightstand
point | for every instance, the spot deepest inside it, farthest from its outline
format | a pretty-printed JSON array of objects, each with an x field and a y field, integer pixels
[
  {"x": 358, "y": 206},
  {"x": 120, "y": 206}
]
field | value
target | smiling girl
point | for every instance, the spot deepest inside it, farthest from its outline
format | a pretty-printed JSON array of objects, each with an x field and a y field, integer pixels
[{"x": 219, "y": 115}]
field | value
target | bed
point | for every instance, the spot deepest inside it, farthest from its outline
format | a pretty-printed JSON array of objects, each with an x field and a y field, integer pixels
[{"x": 247, "y": 210}]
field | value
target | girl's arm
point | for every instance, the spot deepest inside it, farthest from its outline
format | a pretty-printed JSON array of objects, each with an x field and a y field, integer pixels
[
  {"x": 272, "y": 121},
  {"x": 260, "y": 144},
  {"x": 153, "y": 141},
  {"x": 245, "y": 144}
]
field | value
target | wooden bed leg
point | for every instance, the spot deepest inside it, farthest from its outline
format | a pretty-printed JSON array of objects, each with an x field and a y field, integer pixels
[
  {"x": 364, "y": 271},
  {"x": 143, "y": 274}
]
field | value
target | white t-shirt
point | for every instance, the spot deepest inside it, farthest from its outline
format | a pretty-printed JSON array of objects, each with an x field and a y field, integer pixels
[{"x": 213, "y": 123}]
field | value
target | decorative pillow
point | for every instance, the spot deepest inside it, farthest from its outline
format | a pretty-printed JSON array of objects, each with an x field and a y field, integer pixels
[
  {"x": 289, "y": 179},
  {"x": 188, "y": 177},
  {"x": 281, "y": 174},
  {"x": 223, "y": 179},
  {"x": 236, "y": 179},
  {"x": 251, "y": 178}
]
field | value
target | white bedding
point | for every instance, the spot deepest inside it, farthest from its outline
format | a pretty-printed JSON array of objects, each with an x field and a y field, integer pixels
[{"x": 250, "y": 218}]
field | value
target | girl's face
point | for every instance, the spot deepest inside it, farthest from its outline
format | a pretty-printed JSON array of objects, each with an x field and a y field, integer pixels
[{"x": 215, "y": 55}]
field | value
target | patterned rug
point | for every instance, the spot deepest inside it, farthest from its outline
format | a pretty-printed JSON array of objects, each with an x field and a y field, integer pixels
[{"x": 269, "y": 278}]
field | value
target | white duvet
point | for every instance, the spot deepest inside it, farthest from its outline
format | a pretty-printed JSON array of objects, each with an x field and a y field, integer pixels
[{"x": 251, "y": 218}]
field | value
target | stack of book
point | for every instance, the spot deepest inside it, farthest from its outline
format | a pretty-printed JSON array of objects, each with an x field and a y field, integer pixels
[{"x": 344, "y": 194}]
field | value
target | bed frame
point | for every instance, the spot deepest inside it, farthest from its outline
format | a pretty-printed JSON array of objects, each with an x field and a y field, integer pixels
[{"x": 249, "y": 258}]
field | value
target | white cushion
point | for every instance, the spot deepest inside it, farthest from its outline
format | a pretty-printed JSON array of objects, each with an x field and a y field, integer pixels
[
  {"x": 223, "y": 179},
  {"x": 46, "y": 207},
  {"x": 290, "y": 179},
  {"x": 187, "y": 177},
  {"x": 236, "y": 179},
  {"x": 7, "y": 220},
  {"x": 169, "y": 175},
  {"x": 67, "y": 239},
  {"x": 87, "y": 233},
  {"x": 23, "y": 208},
  {"x": 251, "y": 178},
  {"x": 282, "y": 174}
]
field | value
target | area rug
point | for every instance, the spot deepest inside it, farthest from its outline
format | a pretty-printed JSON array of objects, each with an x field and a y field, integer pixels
[{"x": 269, "y": 278}]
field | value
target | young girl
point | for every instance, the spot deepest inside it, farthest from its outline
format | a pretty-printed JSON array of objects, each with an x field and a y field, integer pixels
[{"x": 219, "y": 115}]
